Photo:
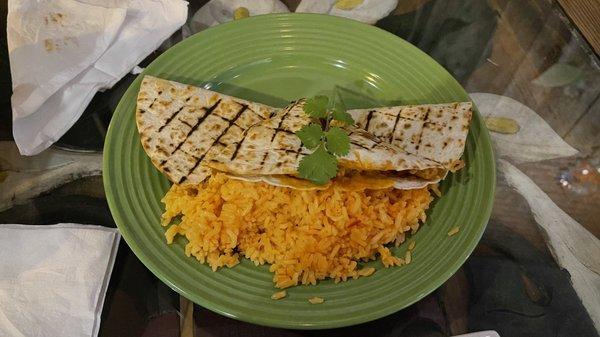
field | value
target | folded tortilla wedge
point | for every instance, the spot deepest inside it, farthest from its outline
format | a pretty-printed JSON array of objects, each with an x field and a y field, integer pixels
[
  {"x": 181, "y": 125},
  {"x": 189, "y": 131},
  {"x": 433, "y": 131}
]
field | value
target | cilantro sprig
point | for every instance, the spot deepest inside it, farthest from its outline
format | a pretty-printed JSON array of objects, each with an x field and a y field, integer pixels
[{"x": 327, "y": 142}]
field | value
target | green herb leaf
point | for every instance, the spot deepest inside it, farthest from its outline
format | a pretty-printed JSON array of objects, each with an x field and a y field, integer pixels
[
  {"x": 316, "y": 107},
  {"x": 335, "y": 102},
  {"x": 327, "y": 140},
  {"x": 310, "y": 135},
  {"x": 318, "y": 167},
  {"x": 343, "y": 117},
  {"x": 338, "y": 142}
]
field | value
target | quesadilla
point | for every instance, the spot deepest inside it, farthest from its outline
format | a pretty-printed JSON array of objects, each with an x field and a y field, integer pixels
[
  {"x": 272, "y": 148},
  {"x": 433, "y": 131},
  {"x": 182, "y": 125},
  {"x": 189, "y": 131}
]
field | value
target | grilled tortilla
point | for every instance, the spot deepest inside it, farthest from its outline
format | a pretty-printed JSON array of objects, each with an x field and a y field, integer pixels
[
  {"x": 189, "y": 131},
  {"x": 272, "y": 148},
  {"x": 181, "y": 126},
  {"x": 434, "y": 131}
]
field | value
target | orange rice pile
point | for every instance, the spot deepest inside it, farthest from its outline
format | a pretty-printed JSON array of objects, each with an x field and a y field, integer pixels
[{"x": 305, "y": 235}]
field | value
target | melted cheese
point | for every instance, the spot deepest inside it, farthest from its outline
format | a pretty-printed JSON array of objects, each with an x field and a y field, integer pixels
[{"x": 362, "y": 182}]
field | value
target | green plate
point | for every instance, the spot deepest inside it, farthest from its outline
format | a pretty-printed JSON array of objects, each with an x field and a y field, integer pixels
[{"x": 274, "y": 59}]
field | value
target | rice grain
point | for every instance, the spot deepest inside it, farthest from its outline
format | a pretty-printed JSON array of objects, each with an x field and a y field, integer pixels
[{"x": 316, "y": 300}]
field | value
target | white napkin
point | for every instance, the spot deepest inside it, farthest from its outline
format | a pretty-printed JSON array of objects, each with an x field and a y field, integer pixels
[
  {"x": 63, "y": 51},
  {"x": 53, "y": 279}
]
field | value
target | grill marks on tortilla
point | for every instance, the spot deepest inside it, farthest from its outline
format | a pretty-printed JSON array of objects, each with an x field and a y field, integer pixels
[
  {"x": 369, "y": 117},
  {"x": 223, "y": 142},
  {"x": 207, "y": 113},
  {"x": 424, "y": 124},
  {"x": 201, "y": 120},
  {"x": 272, "y": 148},
  {"x": 171, "y": 118},
  {"x": 186, "y": 125},
  {"x": 216, "y": 141},
  {"x": 391, "y": 137},
  {"x": 433, "y": 131},
  {"x": 238, "y": 145},
  {"x": 276, "y": 130}
]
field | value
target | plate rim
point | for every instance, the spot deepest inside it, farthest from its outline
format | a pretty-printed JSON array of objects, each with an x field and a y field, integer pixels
[{"x": 112, "y": 201}]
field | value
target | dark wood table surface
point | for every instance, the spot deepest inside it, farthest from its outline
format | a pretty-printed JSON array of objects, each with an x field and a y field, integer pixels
[{"x": 512, "y": 280}]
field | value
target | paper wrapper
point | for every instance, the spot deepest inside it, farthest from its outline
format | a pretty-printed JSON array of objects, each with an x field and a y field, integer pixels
[
  {"x": 53, "y": 279},
  {"x": 62, "y": 52}
]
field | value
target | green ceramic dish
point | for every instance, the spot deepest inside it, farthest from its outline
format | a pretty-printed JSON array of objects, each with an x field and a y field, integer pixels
[{"x": 273, "y": 59}]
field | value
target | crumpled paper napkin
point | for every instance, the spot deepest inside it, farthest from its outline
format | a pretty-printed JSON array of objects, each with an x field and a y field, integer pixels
[
  {"x": 53, "y": 279},
  {"x": 63, "y": 51}
]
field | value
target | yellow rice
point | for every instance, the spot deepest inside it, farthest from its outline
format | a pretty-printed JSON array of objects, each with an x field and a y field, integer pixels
[
  {"x": 453, "y": 231},
  {"x": 279, "y": 295},
  {"x": 305, "y": 235},
  {"x": 316, "y": 300}
]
